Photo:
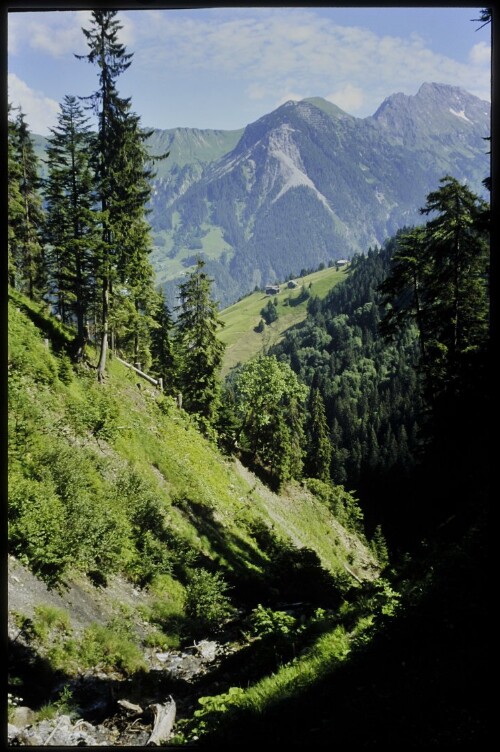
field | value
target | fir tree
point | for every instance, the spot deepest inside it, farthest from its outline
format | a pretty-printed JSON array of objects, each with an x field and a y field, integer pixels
[
  {"x": 15, "y": 201},
  {"x": 162, "y": 345},
  {"x": 200, "y": 350},
  {"x": 70, "y": 227},
  {"x": 123, "y": 190},
  {"x": 26, "y": 221},
  {"x": 319, "y": 447}
]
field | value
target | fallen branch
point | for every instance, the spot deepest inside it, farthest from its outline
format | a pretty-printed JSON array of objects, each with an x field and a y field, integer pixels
[
  {"x": 156, "y": 382},
  {"x": 130, "y": 707},
  {"x": 349, "y": 571},
  {"x": 163, "y": 723}
]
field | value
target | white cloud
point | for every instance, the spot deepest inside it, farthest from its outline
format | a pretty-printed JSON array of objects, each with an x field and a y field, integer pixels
[
  {"x": 57, "y": 34},
  {"x": 480, "y": 54},
  {"x": 349, "y": 98},
  {"x": 41, "y": 111},
  {"x": 291, "y": 95},
  {"x": 292, "y": 49}
]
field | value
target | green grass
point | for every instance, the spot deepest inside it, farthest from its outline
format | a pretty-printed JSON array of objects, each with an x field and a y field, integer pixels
[
  {"x": 102, "y": 438},
  {"x": 319, "y": 660},
  {"x": 243, "y": 343}
]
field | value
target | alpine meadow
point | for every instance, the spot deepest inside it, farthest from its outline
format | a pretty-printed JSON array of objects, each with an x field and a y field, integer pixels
[{"x": 249, "y": 414}]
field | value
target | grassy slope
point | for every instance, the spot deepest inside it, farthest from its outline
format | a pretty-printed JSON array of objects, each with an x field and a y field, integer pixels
[
  {"x": 243, "y": 343},
  {"x": 208, "y": 501}
]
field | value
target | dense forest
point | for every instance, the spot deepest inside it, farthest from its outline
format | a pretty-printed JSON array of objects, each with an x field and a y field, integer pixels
[{"x": 370, "y": 421}]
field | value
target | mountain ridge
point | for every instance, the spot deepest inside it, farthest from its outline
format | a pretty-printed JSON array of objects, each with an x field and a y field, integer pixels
[
  {"x": 291, "y": 192},
  {"x": 305, "y": 184}
]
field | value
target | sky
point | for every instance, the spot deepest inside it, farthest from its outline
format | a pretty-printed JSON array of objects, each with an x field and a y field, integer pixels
[{"x": 224, "y": 68}]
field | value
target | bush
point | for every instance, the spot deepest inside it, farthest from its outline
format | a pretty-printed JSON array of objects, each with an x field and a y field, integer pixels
[
  {"x": 265, "y": 621},
  {"x": 269, "y": 312},
  {"x": 37, "y": 527},
  {"x": 65, "y": 369},
  {"x": 207, "y": 604}
]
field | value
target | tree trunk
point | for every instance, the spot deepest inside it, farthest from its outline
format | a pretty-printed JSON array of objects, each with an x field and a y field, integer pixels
[
  {"x": 163, "y": 724},
  {"x": 104, "y": 337}
]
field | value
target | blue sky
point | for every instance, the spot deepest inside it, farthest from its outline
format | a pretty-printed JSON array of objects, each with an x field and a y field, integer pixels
[{"x": 226, "y": 67}]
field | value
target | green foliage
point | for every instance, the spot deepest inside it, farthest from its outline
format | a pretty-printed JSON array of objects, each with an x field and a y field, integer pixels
[
  {"x": 200, "y": 349},
  {"x": 26, "y": 215},
  {"x": 121, "y": 268},
  {"x": 266, "y": 621},
  {"x": 65, "y": 370},
  {"x": 207, "y": 604},
  {"x": 439, "y": 278},
  {"x": 64, "y": 705},
  {"x": 70, "y": 231},
  {"x": 378, "y": 545},
  {"x": 208, "y": 717},
  {"x": 109, "y": 649},
  {"x": 268, "y": 399},
  {"x": 319, "y": 447},
  {"x": 343, "y": 504},
  {"x": 269, "y": 313},
  {"x": 37, "y": 527},
  {"x": 369, "y": 387}
]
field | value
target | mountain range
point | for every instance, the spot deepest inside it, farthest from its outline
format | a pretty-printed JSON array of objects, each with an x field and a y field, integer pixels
[{"x": 306, "y": 184}]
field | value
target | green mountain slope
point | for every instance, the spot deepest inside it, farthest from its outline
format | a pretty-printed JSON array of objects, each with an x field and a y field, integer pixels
[
  {"x": 188, "y": 145},
  {"x": 241, "y": 319},
  {"x": 124, "y": 472}
]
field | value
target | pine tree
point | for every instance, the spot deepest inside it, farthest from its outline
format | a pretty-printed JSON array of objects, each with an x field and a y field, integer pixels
[
  {"x": 15, "y": 201},
  {"x": 26, "y": 221},
  {"x": 162, "y": 345},
  {"x": 119, "y": 160},
  {"x": 200, "y": 350},
  {"x": 378, "y": 545},
  {"x": 457, "y": 290},
  {"x": 71, "y": 227},
  {"x": 439, "y": 279},
  {"x": 319, "y": 447}
]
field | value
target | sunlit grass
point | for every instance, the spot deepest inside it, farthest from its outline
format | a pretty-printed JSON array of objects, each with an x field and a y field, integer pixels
[{"x": 243, "y": 343}]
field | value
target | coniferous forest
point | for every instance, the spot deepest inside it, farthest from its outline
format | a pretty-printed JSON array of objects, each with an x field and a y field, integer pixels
[{"x": 317, "y": 518}]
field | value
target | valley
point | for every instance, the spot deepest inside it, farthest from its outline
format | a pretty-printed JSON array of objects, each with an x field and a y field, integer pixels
[{"x": 250, "y": 411}]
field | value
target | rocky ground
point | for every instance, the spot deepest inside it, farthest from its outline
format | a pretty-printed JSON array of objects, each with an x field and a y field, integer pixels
[{"x": 111, "y": 711}]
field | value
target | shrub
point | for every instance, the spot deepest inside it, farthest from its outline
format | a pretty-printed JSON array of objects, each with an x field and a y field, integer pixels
[
  {"x": 209, "y": 716},
  {"x": 207, "y": 604},
  {"x": 269, "y": 312},
  {"x": 65, "y": 369},
  {"x": 37, "y": 527},
  {"x": 265, "y": 621}
]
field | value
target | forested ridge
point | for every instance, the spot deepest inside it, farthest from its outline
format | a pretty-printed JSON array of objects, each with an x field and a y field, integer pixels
[{"x": 319, "y": 516}]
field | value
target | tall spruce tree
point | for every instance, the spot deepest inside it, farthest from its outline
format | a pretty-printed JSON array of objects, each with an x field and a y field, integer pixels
[
  {"x": 15, "y": 200},
  {"x": 200, "y": 350},
  {"x": 26, "y": 221},
  {"x": 162, "y": 345},
  {"x": 439, "y": 278},
  {"x": 119, "y": 161},
  {"x": 70, "y": 229},
  {"x": 319, "y": 447}
]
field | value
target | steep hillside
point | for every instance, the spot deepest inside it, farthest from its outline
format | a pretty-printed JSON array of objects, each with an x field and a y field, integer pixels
[
  {"x": 241, "y": 333},
  {"x": 117, "y": 500}
]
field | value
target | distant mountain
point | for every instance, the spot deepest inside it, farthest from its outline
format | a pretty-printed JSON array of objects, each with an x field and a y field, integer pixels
[
  {"x": 305, "y": 184},
  {"x": 309, "y": 183}
]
